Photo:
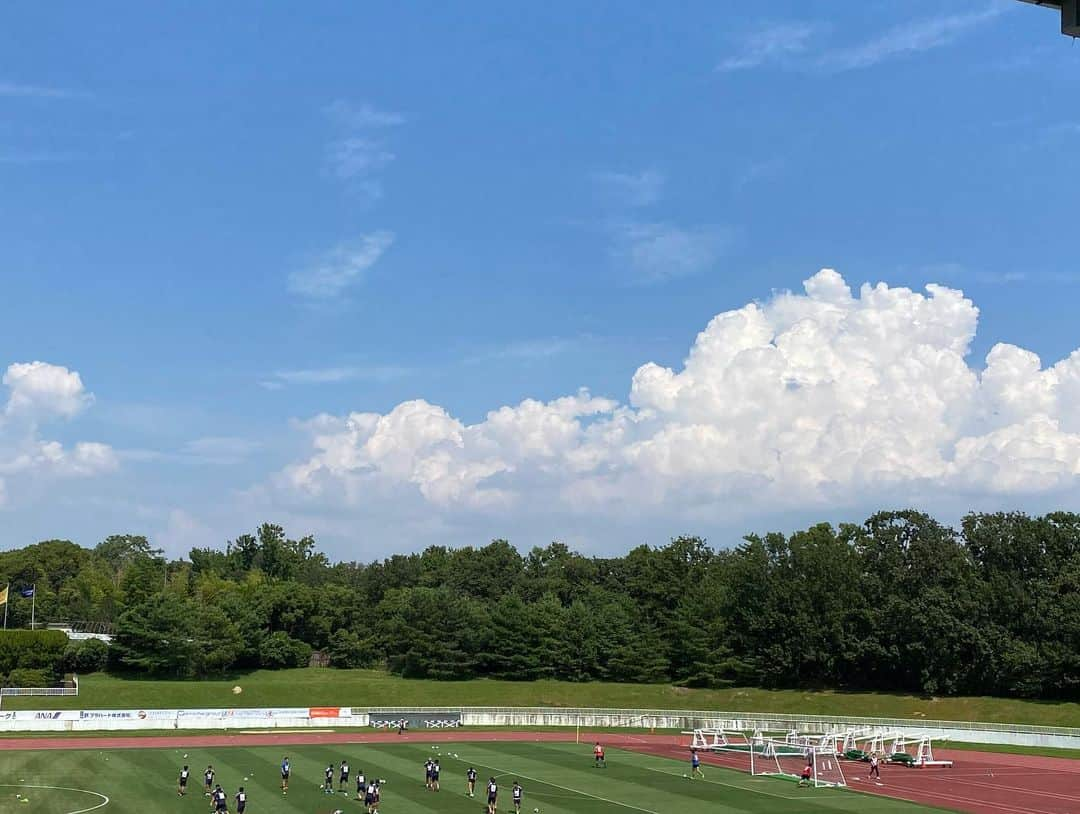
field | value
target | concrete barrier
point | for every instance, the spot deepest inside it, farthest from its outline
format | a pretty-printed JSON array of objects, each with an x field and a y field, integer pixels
[
  {"x": 518, "y": 717},
  {"x": 971, "y": 732}
]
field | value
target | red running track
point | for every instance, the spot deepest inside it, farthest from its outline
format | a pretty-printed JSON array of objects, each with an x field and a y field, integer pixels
[{"x": 978, "y": 783}]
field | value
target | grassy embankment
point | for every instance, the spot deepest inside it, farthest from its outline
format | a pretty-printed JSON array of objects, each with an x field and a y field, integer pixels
[{"x": 362, "y": 688}]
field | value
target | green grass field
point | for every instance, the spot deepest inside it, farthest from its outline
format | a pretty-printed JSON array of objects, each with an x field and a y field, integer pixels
[
  {"x": 362, "y": 688},
  {"x": 1007, "y": 749},
  {"x": 558, "y": 778}
]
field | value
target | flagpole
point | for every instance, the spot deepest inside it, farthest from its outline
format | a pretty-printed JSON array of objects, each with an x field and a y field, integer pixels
[
  {"x": 33, "y": 605},
  {"x": 6, "y": 598}
]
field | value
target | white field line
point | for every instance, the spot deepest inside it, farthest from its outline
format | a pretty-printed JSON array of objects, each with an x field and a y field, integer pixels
[
  {"x": 722, "y": 783},
  {"x": 104, "y": 800}
]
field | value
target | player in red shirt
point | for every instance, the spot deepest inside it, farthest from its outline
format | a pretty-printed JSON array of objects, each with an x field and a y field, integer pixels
[{"x": 598, "y": 754}]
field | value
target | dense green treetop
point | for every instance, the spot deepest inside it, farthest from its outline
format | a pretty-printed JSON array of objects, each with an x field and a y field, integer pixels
[{"x": 899, "y": 602}]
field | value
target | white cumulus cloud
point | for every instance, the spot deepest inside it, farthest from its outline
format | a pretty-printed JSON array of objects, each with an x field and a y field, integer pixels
[
  {"x": 38, "y": 392},
  {"x": 824, "y": 398},
  {"x": 42, "y": 389}
]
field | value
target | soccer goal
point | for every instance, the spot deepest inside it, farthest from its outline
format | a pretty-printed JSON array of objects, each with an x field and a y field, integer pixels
[
  {"x": 916, "y": 751},
  {"x": 830, "y": 740},
  {"x": 879, "y": 743},
  {"x": 857, "y": 740},
  {"x": 819, "y": 764},
  {"x": 709, "y": 739},
  {"x": 778, "y": 758},
  {"x": 742, "y": 751}
]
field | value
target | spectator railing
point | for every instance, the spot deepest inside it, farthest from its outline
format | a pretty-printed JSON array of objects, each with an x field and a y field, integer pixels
[{"x": 53, "y": 692}]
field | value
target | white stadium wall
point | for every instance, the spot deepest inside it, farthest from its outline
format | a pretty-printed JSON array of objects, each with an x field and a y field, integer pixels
[
  {"x": 511, "y": 717},
  {"x": 95, "y": 720}
]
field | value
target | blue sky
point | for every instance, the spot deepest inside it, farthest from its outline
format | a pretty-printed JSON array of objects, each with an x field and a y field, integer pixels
[{"x": 228, "y": 221}]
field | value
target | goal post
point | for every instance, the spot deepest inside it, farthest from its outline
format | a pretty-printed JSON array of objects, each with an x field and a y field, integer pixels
[
  {"x": 743, "y": 753},
  {"x": 916, "y": 751},
  {"x": 757, "y": 755},
  {"x": 707, "y": 738},
  {"x": 818, "y": 764}
]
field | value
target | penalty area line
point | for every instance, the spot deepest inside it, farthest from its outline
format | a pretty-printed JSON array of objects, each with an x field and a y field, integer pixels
[{"x": 104, "y": 800}]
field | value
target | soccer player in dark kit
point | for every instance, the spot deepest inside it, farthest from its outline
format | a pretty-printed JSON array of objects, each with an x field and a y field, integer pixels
[
  {"x": 181, "y": 787},
  {"x": 221, "y": 800}
]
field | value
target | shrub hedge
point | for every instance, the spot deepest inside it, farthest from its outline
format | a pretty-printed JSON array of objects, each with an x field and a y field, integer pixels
[{"x": 27, "y": 652}]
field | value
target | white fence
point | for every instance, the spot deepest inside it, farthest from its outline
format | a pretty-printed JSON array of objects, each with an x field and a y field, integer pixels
[
  {"x": 48, "y": 692},
  {"x": 967, "y": 731},
  {"x": 52, "y": 692},
  {"x": 327, "y": 717}
]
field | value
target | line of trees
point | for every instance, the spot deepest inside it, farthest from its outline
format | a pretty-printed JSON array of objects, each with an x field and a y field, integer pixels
[{"x": 900, "y": 602}]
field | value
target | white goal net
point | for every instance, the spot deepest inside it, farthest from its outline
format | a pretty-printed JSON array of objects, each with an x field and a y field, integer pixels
[
  {"x": 812, "y": 764},
  {"x": 809, "y": 761}
]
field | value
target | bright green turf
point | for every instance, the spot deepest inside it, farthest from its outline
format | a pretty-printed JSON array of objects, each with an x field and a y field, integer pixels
[
  {"x": 1042, "y": 751},
  {"x": 329, "y": 687},
  {"x": 558, "y": 778}
]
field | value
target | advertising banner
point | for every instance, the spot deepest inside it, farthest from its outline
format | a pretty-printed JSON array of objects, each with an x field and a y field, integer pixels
[
  {"x": 329, "y": 712},
  {"x": 384, "y": 719}
]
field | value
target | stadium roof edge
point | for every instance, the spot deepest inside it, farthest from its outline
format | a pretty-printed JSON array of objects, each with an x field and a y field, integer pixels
[{"x": 1070, "y": 14}]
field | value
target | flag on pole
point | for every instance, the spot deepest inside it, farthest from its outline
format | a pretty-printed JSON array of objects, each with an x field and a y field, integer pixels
[
  {"x": 3, "y": 596},
  {"x": 31, "y": 594}
]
